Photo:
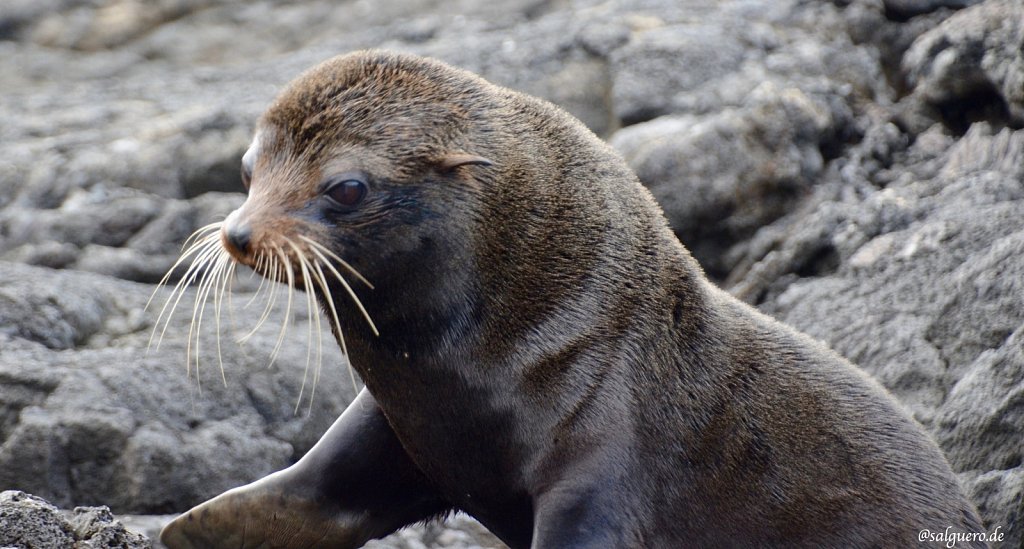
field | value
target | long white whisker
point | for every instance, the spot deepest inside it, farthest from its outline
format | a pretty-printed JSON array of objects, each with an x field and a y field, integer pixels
[
  {"x": 348, "y": 289},
  {"x": 199, "y": 233},
  {"x": 184, "y": 255},
  {"x": 212, "y": 271},
  {"x": 199, "y": 246},
  {"x": 319, "y": 353},
  {"x": 322, "y": 280},
  {"x": 309, "y": 319},
  {"x": 232, "y": 273},
  {"x": 289, "y": 272},
  {"x": 205, "y": 285},
  {"x": 260, "y": 264},
  {"x": 227, "y": 269},
  {"x": 326, "y": 250},
  {"x": 198, "y": 265},
  {"x": 273, "y": 288},
  {"x": 209, "y": 262}
]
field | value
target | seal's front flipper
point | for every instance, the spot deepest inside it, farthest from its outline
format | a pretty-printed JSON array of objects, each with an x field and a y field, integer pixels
[{"x": 355, "y": 484}]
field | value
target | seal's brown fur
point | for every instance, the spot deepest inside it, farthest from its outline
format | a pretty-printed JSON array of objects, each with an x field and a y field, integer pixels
[{"x": 551, "y": 359}]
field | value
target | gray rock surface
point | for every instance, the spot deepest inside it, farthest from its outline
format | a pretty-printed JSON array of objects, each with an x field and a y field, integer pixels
[
  {"x": 722, "y": 176},
  {"x": 855, "y": 168},
  {"x": 88, "y": 416},
  {"x": 29, "y": 522},
  {"x": 971, "y": 66},
  {"x": 908, "y": 8}
]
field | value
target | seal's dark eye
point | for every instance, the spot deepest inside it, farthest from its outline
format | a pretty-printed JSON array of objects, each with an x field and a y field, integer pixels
[{"x": 346, "y": 192}]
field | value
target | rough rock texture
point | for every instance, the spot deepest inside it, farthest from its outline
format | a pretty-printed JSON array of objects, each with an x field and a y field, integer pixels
[
  {"x": 458, "y": 532},
  {"x": 88, "y": 416},
  {"x": 29, "y": 522},
  {"x": 854, "y": 167},
  {"x": 971, "y": 67}
]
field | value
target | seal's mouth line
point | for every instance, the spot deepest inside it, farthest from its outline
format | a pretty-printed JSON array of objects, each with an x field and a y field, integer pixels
[{"x": 304, "y": 264}]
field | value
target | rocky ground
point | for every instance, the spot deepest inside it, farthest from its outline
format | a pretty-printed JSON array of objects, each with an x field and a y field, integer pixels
[
  {"x": 853, "y": 167},
  {"x": 29, "y": 521}
]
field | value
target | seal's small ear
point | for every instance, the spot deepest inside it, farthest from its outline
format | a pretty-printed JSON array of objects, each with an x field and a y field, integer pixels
[{"x": 453, "y": 160}]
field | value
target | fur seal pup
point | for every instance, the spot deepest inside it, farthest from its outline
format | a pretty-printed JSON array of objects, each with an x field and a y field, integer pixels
[{"x": 550, "y": 359}]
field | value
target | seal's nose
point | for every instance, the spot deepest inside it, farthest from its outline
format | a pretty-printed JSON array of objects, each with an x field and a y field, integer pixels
[{"x": 237, "y": 236}]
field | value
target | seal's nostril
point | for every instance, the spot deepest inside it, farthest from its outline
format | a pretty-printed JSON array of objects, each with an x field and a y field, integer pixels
[{"x": 238, "y": 237}]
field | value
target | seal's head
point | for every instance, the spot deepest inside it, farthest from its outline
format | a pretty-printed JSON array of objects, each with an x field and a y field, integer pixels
[{"x": 366, "y": 161}]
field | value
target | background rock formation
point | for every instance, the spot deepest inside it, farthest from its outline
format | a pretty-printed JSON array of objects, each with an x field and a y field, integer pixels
[
  {"x": 854, "y": 167},
  {"x": 28, "y": 521}
]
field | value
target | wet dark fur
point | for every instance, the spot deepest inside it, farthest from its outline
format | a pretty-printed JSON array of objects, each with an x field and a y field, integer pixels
[{"x": 551, "y": 359}]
